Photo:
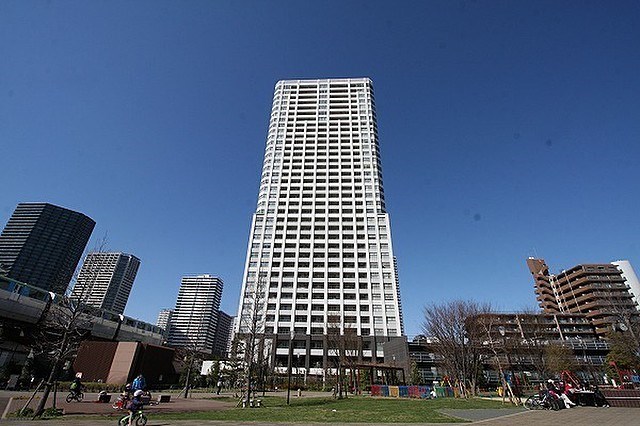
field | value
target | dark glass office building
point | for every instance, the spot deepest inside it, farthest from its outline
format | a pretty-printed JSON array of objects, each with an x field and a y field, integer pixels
[{"x": 42, "y": 244}]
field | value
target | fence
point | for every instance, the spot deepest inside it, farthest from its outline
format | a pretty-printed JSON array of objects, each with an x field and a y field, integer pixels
[{"x": 423, "y": 392}]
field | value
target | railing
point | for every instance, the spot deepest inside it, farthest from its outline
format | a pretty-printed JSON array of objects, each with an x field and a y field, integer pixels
[{"x": 23, "y": 302}]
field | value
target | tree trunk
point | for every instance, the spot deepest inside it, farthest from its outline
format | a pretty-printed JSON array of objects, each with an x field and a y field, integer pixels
[
  {"x": 53, "y": 376},
  {"x": 186, "y": 382}
]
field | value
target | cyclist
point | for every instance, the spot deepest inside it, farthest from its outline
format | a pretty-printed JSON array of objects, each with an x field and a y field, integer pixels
[
  {"x": 76, "y": 386},
  {"x": 134, "y": 405}
]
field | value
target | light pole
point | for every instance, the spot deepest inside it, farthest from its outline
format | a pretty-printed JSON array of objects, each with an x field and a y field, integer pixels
[
  {"x": 463, "y": 384},
  {"x": 289, "y": 367},
  {"x": 393, "y": 364}
]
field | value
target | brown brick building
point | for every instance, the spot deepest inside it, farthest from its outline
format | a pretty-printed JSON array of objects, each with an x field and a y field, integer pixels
[{"x": 121, "y": 362}]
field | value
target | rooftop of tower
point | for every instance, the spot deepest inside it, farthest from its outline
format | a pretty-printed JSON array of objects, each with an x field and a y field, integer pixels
[{"x": 325, "y": 80}]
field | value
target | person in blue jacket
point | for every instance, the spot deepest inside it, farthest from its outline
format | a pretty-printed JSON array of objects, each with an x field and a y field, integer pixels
[{"x": 139, "y": 383}]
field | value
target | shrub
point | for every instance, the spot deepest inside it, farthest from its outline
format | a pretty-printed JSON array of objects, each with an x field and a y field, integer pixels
[
  {"x": 93, "y": 387},
  {"x": 27, "y": 412},
  {"x": 52, "y": 412}
]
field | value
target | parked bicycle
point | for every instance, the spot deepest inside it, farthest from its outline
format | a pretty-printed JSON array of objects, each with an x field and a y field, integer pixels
[
  {"x": 139, "y": 419},
  {"x": 543, "y": 401}
]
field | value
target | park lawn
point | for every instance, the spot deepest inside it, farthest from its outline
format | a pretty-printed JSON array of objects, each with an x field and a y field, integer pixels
[{"x": 328, "y": 410}]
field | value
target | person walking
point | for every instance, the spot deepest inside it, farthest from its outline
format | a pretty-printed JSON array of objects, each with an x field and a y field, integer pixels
[{"x": 139, "y": 383}]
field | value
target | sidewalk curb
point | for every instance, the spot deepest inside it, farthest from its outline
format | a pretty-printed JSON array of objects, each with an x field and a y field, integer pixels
[
  {"x": 501, "y": 417},
  {"x": 6, "y": 409}
]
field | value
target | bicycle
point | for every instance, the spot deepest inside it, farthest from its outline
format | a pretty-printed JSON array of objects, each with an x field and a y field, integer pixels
[
  {"x": 533, "y": 403},
  {"x": 120, "y": 403},
  {"x": 75, "y": 396},
  {"x": 139, "y": 419},
  {"x": 543, "y": 402}
]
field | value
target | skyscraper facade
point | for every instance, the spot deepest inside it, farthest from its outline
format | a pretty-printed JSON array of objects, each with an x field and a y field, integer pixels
[
  {"x": 105, "y": 280},
  {"x": 320, "y": 257},
  {"x": 195, "y": 317},
  {"x": 223, "y": 335},
  {"x": 42, "y": 244}
]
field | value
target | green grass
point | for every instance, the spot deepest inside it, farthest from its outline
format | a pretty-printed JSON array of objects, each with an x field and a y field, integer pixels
[{"x": 328, "y": 410}]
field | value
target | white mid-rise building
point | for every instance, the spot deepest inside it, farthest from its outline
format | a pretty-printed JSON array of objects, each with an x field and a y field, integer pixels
[
  {"x": 105, "y": 280},
  {"x": 164, "y": 321},
  {"x": 195, "y": 317},
  {"x": 631, "y": 279},
  {"x": 320, "y": 254}
]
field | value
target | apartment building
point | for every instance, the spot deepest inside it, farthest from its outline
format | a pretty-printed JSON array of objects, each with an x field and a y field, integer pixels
[
  {"x": 164, "y": 321},
  {"x": 42, "y": 244},
  {"x": 195, "y": 317},
  {"x": 320, "y": 258},
  {"x": 599, "y": 291},
  {"x": 105, "y": 280}
]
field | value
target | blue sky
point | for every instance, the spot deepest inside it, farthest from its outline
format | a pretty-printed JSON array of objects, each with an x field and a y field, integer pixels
[{"x": 508, "y": 129}]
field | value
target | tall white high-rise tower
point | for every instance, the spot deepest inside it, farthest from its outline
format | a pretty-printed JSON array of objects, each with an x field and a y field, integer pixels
[
  {"x": 320, "y": 256},
  {"x": 195, "y": 318}
]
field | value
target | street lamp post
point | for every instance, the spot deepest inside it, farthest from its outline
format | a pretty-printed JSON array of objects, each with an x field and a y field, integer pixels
[
  {"x": 297, "y": 370},
  {"x": 395, "y": 373},
  {"x": 289, "y": 367}
]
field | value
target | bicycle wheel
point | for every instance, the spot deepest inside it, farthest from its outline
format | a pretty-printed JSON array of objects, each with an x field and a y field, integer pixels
[
  {"x": 124, "y": 421},
  {"x": 79, "y": 396},
  {"x": 69, "y": 397},
  {"x": 533, "y": 403},
  {"x": 141, "y": 420}
]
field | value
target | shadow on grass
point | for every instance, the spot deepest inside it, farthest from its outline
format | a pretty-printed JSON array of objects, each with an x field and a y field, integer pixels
[{"x": 353, "y": 409}]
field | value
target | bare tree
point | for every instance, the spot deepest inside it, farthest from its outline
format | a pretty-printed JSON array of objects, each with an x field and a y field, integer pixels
[
  {"x": 457, "y": 341},
  {"x": 535, "y": 338},
  {"x": 559, "y": 357},
  {"x": 344, "y": 348},
  {"x": 252, "y": 333},
  {"x": 190, "y": 357},
  {"x": 236, "y": 367},
  {"x": 624, "y": 315},
  {"x": 66, "y": 322},
  {"x": 494, "y": 339}
]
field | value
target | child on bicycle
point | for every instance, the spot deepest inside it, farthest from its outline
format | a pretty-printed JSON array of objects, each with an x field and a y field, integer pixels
[
  {"x": 76, "y": 386},
  {"x": 134, "y": 405}
]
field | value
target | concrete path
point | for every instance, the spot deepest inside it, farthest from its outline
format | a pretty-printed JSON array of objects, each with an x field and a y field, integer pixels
[
  {"x": 480, "y": 413},
  {"x": 583, "y": 416},
  {"x": 13, "y": 401}
]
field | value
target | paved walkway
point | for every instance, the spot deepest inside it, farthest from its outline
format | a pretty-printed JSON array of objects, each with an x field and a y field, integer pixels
[
  {"x": 583, "y": 416},
  {"x": 480, "y": 413},
  {"x": 90, "y": 406}
]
